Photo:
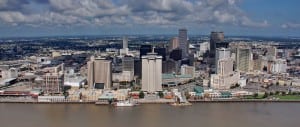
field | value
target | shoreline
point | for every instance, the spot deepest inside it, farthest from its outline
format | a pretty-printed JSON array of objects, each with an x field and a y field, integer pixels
[{"x": 191, "y": 101}]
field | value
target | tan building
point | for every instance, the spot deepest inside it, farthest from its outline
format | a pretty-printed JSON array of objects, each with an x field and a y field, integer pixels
[
  {"x": 225, "y": 76},
  {"x": 188, "y": 70},
  {"x": 99, "y": 73},
  {"x": 174, "y": 43}
]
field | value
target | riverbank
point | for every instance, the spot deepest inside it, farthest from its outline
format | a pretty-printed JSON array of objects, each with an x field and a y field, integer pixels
[{"x": 166, "y": 102}]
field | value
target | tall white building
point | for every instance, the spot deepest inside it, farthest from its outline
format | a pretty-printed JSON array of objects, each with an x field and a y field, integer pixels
[
  {"x": 124, "y": 50},
  {"x": 221, "y": 53},
  {"x": 151, "y": 72}
]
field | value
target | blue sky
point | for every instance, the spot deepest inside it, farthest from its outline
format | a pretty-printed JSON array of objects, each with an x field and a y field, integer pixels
[{"x": 105, "y": 17}]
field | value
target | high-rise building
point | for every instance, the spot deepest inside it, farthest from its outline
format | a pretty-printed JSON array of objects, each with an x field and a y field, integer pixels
[
  {"x": 243, "y": 59},
  {"x": 174, "y": 43},
  {"x": 124, "y": 50},
  {"x": 225, "y": 66},
  {"x": 161, "y": 51},
  {"x": 125, "y": 42},
  {"x": 152, "y": 73},
  {"x": 221, "y": 53},
  {"x": 225, "y": 77},
  {"x": 128, "y": 64},
  {"x": 183, "y": 42},
  {"x": 176, "y": 54},
  {"x": 215, "y": 37},
  {"x": 54, "y": 80},
  {"x": 100, "y": 73},
  {"x": 144, "y": 49},
  {"x": 138, "y": 67},
  {"x": 169, "y": 66}
]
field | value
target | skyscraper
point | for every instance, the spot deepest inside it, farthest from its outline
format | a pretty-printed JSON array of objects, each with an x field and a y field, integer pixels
[
  {"x": 174, "y": 43},
  {"x": 144, "y": 49},
  {"x": 125, "y": 49},
  {"x": 243, "y": 59},
  {"x": 225, "y": 76},
  {"x": 99, "y": 73},
  {"x": 161, "y": 51},
  {"x": 215, "y": 37},
  {"x": 221, "y": 53},
  {"x": 128, "y": 64},
  {"x": 125, "y": 42},
  {"x": 151, "y": 73},
  {"x": 183, "y": 42}
]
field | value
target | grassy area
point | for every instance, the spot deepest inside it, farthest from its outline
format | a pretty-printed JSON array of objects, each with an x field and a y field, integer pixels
[
  {"x": 288, "y": 97},
  {"x": 260, "y": 96}
]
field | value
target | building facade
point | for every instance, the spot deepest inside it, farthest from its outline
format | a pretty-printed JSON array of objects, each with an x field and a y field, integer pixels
[
  {"x": 183, "y": 42},
  {"x": 151, "y": 73},
  {"x": 100, "y": 72},
  {"x": 243, "y": 59}
]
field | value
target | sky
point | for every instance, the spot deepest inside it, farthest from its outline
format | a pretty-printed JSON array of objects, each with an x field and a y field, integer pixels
[{"x": 31, "y": 18}]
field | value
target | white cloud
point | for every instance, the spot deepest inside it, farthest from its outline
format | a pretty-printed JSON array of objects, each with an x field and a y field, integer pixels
[
  {"x": 290, "y": 25},
  {"x": 130, "y": 12}
]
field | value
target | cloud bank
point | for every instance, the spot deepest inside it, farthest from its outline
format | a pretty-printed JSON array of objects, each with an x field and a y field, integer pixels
[{"x": 62, "y": 13}]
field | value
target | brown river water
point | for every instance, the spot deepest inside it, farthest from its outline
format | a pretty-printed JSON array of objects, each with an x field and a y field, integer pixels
[{"x": 151, "y": 115}]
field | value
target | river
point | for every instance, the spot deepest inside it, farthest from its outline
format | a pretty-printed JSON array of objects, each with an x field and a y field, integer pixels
[{"x": 151, "y": 115}]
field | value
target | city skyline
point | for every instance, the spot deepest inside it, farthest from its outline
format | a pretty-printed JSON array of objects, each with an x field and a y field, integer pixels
[{"x": 31, "y": 18}]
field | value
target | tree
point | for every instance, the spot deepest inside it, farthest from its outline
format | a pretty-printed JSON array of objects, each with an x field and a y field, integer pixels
[
  {"x": 283, "y": 93},
  {"x": 141, "y": 95},
  {"x": 277, "y": 83},
  {"x": 271, "y": 93},
  {"x": 277, "y": 93},
  {"x": 265, "y": 95},
  {"x": 237, "y": 85},
  {"x": 255, "y": 95},
  {"x": 66, "y": 94},
  {"x": 161, "y": 94}
]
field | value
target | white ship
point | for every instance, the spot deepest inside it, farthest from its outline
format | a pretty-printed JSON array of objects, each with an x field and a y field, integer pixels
[{"x": 125, "y": 104}]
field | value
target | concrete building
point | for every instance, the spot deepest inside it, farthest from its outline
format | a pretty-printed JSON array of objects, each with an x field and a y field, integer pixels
[
  {"x": 271, "y": 52},
  {"x": 54, "y": 81},
  {"x": 152, "y": 73},
  {"x": 243, "y": 59},
  {"x": 188, "y": 70},
  {"x": 6, "y": 72},
  {"x": 225, "y": 76},
  {"x": 215, "y": 37},
  {"x": 174, "y": 43},
  {"x": 124, "y": 50},
  {"x": 99, "y": 73},
  {"x": 183, "y": 42},
  {"x": 222, "y": 53},
  {"x": 128, "y": 64},
  {"x": 279, "y": 66},
  {"x": 204, "y": 47},
  {"x": 125, "y": 76},
  {"x": 170, "y": 66}
]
